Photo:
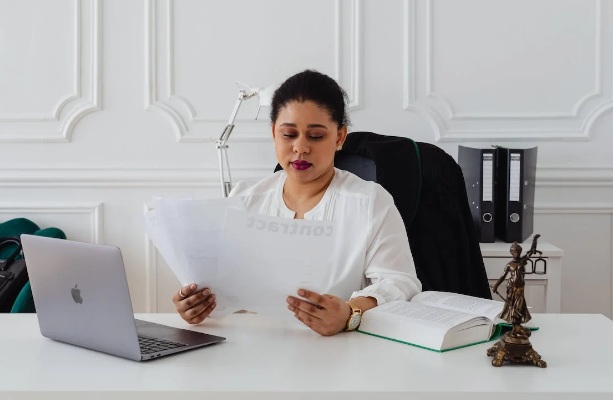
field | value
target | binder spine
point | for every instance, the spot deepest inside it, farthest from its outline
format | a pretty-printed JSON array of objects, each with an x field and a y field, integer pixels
[
  {"x": 514, "y": 216},
  {"x": 478, "y": 170},
  {"x": 528, "y": 191},
  {"x": 487, "y": 196},
  {"x": 515, "y": 177}
]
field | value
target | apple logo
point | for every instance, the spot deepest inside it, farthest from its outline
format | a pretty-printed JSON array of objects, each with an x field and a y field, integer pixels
[{"x": 76, "y": 295}]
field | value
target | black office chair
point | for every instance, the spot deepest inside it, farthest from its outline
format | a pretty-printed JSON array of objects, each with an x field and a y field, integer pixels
[
  {"x": 428, "y": 188},
  {"x": 363, "y": 167}
]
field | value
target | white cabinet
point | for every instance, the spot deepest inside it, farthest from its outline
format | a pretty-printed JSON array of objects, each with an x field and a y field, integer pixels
[{"x": 542, "y": 291}]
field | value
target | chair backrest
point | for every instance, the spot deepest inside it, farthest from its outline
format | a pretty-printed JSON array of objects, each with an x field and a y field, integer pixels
[
  {"x": 359, "y": 165},
  {"x": 442, "y": 235},
  {"x": 23, "y": 302},
  {"x": 428, "y": 189}
]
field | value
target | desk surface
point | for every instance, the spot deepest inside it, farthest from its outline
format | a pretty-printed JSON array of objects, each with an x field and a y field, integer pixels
[{"x": 265, "y": 359}]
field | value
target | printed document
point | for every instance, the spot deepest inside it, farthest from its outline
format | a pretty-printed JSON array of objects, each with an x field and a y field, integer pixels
[{"x": 249, "y": 261}]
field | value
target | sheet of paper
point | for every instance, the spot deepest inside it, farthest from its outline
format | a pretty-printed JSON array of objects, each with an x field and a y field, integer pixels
[
  {"x": 264, "y": 259},
  {"x": 249, "y": 261},
  {"x": 186, "y": 232}
]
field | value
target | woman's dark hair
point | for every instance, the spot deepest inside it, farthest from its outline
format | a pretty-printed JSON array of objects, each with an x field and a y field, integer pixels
[{"x": 310, "y": 85}]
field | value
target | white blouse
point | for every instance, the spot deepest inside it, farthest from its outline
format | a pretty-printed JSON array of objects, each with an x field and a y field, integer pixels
[{"x": 374, "y": 259}]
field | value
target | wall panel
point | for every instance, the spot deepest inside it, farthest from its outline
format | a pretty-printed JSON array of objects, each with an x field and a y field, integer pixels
[
  {"x": 104, "y": 104},
  {"x": 484, "y": 69},
  {"x": 53, "y": 76},
  {"x": 186, "y": 58},
  {"x": 81, "y": 221}
]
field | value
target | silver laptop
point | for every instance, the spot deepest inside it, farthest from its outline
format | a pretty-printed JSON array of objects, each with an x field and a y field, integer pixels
[{"x": 81, "y": 296}]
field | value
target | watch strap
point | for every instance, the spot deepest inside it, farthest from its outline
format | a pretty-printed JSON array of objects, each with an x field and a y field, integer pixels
[{"x": 354, "y": 311}]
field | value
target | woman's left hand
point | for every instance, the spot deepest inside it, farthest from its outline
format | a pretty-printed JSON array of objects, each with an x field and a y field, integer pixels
[{"x": 324, "y": 313}]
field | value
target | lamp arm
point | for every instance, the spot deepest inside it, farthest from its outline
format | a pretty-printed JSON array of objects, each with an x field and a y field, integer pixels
[
  {"x": 225, "y": 135},
  {"x": 222, "y": 142},
  {"x": 224, "y": 164},
  {"x": 224, "y": 168},
  {"x": 222, "y": 148}
]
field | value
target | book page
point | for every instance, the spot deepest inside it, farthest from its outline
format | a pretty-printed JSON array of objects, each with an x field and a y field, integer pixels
[
  {"x": 428, "y": 314},
  {"x": 459, "y": 302}
]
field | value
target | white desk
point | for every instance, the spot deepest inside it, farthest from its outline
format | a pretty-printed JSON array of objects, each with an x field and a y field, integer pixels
[{"x": 264, "y": 360}]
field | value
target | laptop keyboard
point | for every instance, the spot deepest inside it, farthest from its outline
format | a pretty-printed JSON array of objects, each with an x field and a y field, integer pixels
[{"x": 152, "y": 345}]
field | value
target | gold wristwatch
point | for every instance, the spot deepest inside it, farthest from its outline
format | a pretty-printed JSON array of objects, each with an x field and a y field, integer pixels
[{"x": 354, "y": 319}]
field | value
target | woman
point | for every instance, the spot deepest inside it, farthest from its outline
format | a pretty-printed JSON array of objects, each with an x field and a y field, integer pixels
[{"x": 374, "y": 264}]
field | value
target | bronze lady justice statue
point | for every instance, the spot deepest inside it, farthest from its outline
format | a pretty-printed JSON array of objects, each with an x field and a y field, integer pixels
[{"x": 515, "y": 345}]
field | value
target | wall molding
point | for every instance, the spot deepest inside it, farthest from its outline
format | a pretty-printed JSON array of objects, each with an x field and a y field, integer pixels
[
  {"x": 124, "y": 177},
  {"x": 547, "y": 176},
  {"x": 187, "y": 125},
  {"x": 93, "y": 211},
  {"x": 574, "y": 208},
  {"x": 564, "y": 176},
  {"x": 581, "y": 208},
  {"x": 409, "y": 54},
  {"x": 452, "y": 126},
  {"x": 581, "y": 102},
  {"x": 151, "y": 272},
  {"x": 354, "y": 43},
  {"x": 84, "y": 96}
]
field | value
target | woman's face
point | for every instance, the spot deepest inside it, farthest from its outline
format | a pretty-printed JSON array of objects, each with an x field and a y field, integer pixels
[{"x": 306, "y": 139}]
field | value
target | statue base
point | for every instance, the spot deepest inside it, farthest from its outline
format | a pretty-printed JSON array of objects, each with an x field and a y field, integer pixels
[{"x": 515, "y": 347}]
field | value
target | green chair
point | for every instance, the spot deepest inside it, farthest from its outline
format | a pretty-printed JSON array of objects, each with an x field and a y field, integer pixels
[
  {"x": 14, "y": 228},
  {"x": 24, "y": 303}
]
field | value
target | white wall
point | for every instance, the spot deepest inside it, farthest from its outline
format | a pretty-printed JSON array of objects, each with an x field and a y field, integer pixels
[{"x": 105, "y": 103}]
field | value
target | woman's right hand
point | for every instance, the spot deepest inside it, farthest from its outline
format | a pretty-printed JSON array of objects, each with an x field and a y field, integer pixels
[{"x": 194, "y": 305}]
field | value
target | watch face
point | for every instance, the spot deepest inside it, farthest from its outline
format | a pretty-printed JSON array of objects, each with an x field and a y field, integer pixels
[{"x": 354, "y": 322}]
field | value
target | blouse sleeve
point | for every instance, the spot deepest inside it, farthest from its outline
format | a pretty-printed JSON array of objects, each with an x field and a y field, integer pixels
[{"x": 389, "y": 266}]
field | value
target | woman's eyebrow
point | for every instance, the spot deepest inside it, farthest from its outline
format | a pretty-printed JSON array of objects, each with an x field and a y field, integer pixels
[{"x": 292, "y": 125}]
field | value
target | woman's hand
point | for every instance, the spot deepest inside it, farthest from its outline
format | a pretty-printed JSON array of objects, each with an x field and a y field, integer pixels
[
  {"x": 194, "y": 305},
  {"x": 324, "y": 313}
]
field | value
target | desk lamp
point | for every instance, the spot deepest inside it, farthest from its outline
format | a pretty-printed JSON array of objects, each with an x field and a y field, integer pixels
[{"x": 244, "y": 93}]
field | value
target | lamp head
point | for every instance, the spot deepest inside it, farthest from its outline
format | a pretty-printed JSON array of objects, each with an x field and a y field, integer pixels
[
  {"x": 264, "y": 94},
  {"x": 245, "y": 91}
]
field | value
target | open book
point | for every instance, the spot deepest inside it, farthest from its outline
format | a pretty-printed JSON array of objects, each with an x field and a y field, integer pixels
[{"x": 438, "y": 321}]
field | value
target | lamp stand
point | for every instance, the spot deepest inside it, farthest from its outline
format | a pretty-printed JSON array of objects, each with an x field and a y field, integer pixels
[{"x": 222, "y": 143}]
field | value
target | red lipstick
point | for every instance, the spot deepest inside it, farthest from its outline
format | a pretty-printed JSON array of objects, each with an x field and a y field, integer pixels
[{"x": 301, "y": 165}]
